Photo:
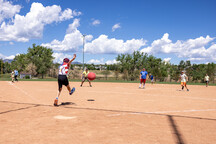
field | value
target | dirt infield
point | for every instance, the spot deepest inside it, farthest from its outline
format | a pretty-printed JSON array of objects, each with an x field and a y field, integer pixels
[{"x": 116, "y": 113}]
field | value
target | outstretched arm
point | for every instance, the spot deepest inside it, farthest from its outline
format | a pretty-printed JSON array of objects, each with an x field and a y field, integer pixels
[{"x": 72, "y": 59}]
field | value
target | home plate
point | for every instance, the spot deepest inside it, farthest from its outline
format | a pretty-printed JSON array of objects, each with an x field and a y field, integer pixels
[{"x": 64, "y": 117}]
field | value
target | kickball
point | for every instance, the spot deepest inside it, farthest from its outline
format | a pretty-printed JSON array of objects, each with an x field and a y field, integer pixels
[{"x": 91, "y": 76}]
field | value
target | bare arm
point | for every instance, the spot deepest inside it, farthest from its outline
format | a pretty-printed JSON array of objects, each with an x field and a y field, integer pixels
[{"x": 72, "y": 59}]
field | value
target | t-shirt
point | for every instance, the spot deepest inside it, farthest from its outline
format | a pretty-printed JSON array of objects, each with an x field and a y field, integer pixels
[
  {"x": 143, "y": 74},
  {"x": 85, "y": 74},
  {"x": 12, "y": 74},
  {"x": 16, "y": 72},
  {"x": 206, "y": 78},
  {"x": 151, "y": 77},
  {"x": 183, "y": 77},
  {"x": 63, "y": 68}
]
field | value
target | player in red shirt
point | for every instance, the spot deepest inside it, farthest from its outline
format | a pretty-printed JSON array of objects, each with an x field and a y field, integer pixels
[{"x": 62, "y": 78}]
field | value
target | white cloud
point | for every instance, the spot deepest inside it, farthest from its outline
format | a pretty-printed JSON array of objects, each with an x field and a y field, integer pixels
[
  {"x": 11, "y": 57},
  {"x": 72, "y": 40},
  {"x": 192, "y": 49},
  {"x": 103, "y": 45},
  {"x": 30, "y": 26},
  {"x": 8, "y": 10},
  {"x": 116, "y": 26},
  {"x": 58, "y": 57},
  {"x": 11, "y": 43},
  {"x": 167, "y": 60},
  {"x": 96, "y": 22},
  {"x": 109, "y": 62},
  {"x": 96, "y": 61}
]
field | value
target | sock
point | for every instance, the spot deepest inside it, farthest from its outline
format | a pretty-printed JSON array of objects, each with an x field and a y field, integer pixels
[
  {"x": 182, "y": 87},
  {"x": 57, "y": 98},
  {"x": 140, "y": 85}
]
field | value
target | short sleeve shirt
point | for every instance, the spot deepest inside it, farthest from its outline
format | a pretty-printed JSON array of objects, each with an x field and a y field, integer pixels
[
  {"x": 85, "y": 73},
  {"x": 183, "y": 77},
  {"x": 206, "y": 78},
  {"x": 63, "y": 69},
  {"x": 143, "y": 74}
]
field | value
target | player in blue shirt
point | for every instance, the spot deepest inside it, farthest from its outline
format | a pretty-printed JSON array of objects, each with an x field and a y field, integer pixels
[
  {"x": 151, "y": 78},
  {"x": 143, "y": 76},
  {"x": 16, "y": 73}
]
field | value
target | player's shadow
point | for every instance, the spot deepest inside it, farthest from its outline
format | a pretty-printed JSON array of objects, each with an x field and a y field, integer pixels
[{"x": 67, "y": 103}]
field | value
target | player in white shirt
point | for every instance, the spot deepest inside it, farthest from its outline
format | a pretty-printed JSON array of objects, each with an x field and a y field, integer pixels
[
  {"x": 184, "y": 79},
  {"x": 62, "y": 78},
  {"x": 207, "y": 80}
]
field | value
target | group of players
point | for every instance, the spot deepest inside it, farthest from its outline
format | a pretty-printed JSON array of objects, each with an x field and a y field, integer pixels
[
  {"x": 14, "y": 75},
  {"x": 183, "y": 78},
  {"x": 63, "y": 80}
]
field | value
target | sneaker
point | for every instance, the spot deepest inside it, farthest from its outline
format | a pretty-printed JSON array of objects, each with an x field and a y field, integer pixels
[
  {"x": 90, "y": 85},
  {"x": 80, "y": 85},
  {"x": 55, "y": 102},
  {"x": 187, "y": 89},
  {"x": 72, "y": 91}
]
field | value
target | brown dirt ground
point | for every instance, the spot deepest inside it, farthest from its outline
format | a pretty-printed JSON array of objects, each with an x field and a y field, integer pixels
[{"x": 120, "y": 114}]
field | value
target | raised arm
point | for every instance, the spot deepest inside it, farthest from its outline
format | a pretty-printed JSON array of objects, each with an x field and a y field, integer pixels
[{"x": 72, "y": 59}]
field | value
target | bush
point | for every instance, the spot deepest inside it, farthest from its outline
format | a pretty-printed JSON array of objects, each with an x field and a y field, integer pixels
[{"x": 27, "y": 77}]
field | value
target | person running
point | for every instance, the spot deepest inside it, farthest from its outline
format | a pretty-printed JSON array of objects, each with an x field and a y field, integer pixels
[
  {"x": 206, "y": 80},
  {"x": 143, "y": 76},
  {"x": 84, "y": 76},
  {"x": 184, "y": 79},
  {"x": 151, "y": 78},
  {"x": 62, "y": 78},
  {"x": 12, "y": 75},
  {"x": 16, "y": 73}
]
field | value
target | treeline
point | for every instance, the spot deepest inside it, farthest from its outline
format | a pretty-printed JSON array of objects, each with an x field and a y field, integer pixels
[
  {"x": 130, "y": 66},
  {"x": 39, "y": 62}
]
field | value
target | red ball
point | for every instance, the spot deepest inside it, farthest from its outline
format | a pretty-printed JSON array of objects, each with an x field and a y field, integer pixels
[{"x": 91, "y": 76}]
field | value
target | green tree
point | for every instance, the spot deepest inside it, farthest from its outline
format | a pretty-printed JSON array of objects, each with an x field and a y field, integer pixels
[
  {"x": 20, "y": 62},
  {"x": 7, "y": 67},
  {"x": 41, "y": 57}
]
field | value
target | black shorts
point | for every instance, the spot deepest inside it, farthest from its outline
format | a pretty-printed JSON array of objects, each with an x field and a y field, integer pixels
[
  {"x": 207, "y": 81},
  {"x": 62, "y": 80},
  {"x": 84, "y": 79}
]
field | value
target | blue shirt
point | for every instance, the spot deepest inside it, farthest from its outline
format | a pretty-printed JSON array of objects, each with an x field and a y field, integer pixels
[
  {"x": 143, "y": 74},
  {"x": 151, "y": 77},
  {"x": 16, "y": 72}
]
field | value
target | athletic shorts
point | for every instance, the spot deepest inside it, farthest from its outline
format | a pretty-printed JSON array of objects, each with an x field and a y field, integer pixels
[
  {"x": 62, "y": 80},
  {"x": 152, "y": 80},
  {"x": 207, "y": 81},
  {"x": 143, "y": 81},
  {"x": 183, "y": 83},
  {"x": 85, "y": 78}
]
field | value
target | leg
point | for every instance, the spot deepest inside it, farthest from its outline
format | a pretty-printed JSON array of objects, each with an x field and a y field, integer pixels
[
  {"x": 89, "y": 82},
  {"x": 59, "y": 92},
  {"x": 186, "y": 86},
  {"x": 83, "y": 80},
  {"x": 144, "y": 81},
  {"x": 140, "y": 83},
  {"x": 182, "y": 85},
  {"x": 68, "y": 87}
]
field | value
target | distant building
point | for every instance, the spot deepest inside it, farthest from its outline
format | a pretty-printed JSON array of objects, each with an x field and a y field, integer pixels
[{"x": 25, "y": 75}]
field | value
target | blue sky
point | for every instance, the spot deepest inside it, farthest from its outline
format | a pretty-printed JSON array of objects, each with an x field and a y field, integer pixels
[{"x": 168, "y": 29}]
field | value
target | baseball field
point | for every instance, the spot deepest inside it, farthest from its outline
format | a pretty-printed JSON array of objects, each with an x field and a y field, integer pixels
[{"x": 107, "y": 113}]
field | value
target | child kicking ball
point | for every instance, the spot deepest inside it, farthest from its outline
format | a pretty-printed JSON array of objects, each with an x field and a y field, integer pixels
[{"x": 62, "y": 78}]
